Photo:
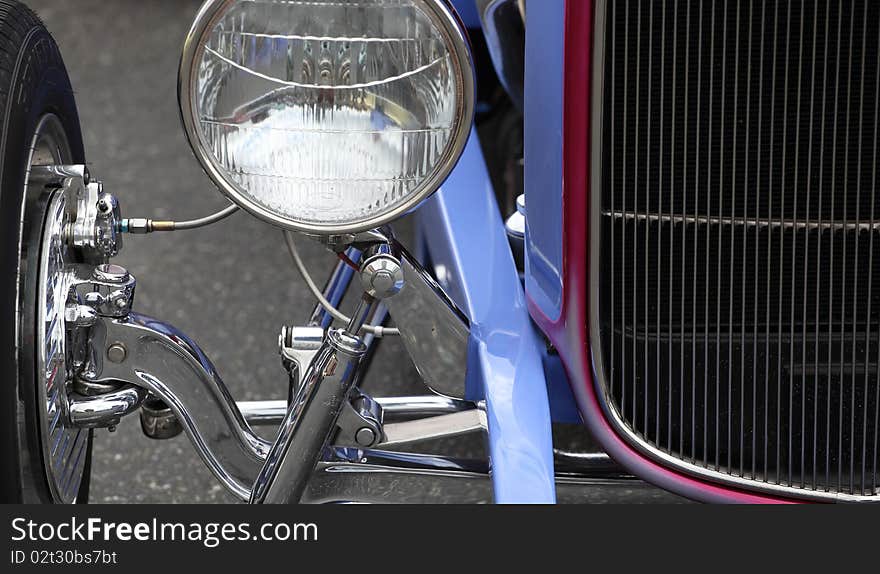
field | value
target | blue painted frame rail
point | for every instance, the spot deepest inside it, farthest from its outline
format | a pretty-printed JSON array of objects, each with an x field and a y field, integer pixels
[{"x": 462, "y": 235}]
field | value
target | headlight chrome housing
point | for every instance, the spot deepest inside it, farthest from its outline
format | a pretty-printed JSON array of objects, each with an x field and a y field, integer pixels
[{"x": 327, "y": 116}]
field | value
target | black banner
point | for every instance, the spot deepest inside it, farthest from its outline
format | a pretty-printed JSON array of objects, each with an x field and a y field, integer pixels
[{"x": 183, "y": 537}]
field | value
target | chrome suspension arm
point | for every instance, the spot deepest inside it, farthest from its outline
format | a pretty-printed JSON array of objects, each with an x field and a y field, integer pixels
[
  {"x": 156, "y": 356},
  {"x": 150, "y": 355}
]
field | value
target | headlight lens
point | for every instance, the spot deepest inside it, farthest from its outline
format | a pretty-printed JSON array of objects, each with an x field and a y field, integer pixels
[{"x": 327, "y": 116}]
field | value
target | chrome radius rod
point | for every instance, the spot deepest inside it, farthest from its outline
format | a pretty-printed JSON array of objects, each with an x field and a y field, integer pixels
[{"x": 394, "y": 409}]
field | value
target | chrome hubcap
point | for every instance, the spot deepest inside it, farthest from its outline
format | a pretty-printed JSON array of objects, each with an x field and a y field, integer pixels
[{"x": 64, "y": 446}]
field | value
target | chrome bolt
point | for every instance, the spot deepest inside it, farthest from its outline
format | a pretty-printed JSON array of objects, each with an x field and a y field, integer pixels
[
  {"x": 80, "y": 315},
  {"x": 94, "y": 299},
  {"x": 382, "y": 276},
  {"x": 116, "y": 353},
  {"x": 383, "y": 281},
  {"x": 365, "y": 436},
  {"x": 110, "y": 273}
]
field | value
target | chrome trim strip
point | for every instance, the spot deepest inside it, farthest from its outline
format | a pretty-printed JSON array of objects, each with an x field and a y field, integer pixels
[{"x": 741, "y": 222}]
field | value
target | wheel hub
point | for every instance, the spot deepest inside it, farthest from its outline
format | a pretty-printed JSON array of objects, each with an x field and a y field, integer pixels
[{"x": 64, "y": 445}]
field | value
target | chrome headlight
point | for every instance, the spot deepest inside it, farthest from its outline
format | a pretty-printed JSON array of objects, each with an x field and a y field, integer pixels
[{"x": 327, "y": 116}]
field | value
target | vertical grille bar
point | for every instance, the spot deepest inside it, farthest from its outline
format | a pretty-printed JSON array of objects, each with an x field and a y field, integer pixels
[
  {"x": 771, "y": 190},
  {"x": 720, "y": 211},
  {"x": 647, "y": 186},
  {"x": 843, "y": 262},
  {"x": 730, "y": 281},
  {"x": 755, "y": 322},
  {"x": 855, "y": 305},
  {"x": 669, "y": 420},
  {"x": 635, "y": 232},
  {"x": 660, "y": 226},
  {"x": 611, "y": 62},
  {"x": 870, "y": 290},
  {"x": 821, "y": 186},
  {"x": 624, "y": 149},
  {"x": 794, "y": 253},
  {"x": 708, "y": 246},
  {"x": 696, "y": 207},
  {"x": 738, "y": 298},
  {"x": 684, "y": 239},
  {"x": 809, "y": 186},
  {"x": 745, "y": 232},
  {"x": 833, "y": 186}
]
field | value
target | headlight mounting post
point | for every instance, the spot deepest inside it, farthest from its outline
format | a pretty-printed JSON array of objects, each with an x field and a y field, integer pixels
[{"x": 325, "y": 389}]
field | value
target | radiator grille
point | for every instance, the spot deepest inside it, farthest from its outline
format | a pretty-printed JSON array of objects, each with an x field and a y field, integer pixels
[{"x": 739, "y": 299}]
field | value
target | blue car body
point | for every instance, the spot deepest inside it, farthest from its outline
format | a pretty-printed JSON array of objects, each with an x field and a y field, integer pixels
[{"x": 462, "y": 236}]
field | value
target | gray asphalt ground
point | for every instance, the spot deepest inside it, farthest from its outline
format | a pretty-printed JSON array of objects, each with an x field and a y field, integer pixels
[{"x": 229, "y": 286}]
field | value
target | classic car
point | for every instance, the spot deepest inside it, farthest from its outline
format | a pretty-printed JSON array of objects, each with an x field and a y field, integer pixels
[{"x": 654, "y": 220}]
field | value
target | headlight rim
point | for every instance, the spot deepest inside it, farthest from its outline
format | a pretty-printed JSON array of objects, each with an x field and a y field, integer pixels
[{"x": 453, "y": 32}]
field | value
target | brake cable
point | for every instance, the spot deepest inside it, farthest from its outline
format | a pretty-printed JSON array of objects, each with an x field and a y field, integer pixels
[{"x": 141, "y": 226}]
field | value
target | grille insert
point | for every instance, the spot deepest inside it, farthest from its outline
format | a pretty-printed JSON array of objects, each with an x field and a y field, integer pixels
[{"x": 735, "y": 223}]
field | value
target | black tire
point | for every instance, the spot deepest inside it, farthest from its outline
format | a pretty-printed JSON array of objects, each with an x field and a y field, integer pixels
[{"x": 33, "y": 83}]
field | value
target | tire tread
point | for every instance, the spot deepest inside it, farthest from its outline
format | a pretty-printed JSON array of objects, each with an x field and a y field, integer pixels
[{"x": 16, "y": 22}]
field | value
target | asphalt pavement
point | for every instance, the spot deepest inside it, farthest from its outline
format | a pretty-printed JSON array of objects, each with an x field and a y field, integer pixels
[{"x": 230, "y": 286}]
